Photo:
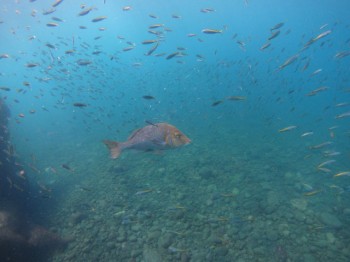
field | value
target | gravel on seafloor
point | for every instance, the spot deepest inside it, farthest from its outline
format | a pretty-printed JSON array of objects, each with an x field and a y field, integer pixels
[{"x": 208, "y": 208}]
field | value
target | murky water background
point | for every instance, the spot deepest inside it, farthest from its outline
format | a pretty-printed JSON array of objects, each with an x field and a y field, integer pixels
[{"x": 268, "y": 120}]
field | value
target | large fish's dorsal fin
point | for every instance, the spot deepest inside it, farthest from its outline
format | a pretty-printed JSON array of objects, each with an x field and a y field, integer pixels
[
  {"x": 151, "y": 123},
  {"x": 133, "y": 134}
]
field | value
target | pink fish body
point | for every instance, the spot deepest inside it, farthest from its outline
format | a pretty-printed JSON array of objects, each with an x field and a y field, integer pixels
[{"x": 158, "y": 136}]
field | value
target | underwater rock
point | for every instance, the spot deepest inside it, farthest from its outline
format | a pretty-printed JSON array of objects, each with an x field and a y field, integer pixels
[
  {"x": 121, "y": 235},
  {"x": 299, "y": 203},
  {"x": 280, "y": 254},
  {"x": 271, "y": 235},
  {"x": 118, "y": 169},
  {"x": 346, "y": 211},
  {"x": 209, "y": 202},
  {"x": 136, "y": 227},
  {"x": 43, "y": 239},
  {"x": 221, "y": 251},
  {"x": 136, "y": 253},
  {"x": 165, "y": 241},
  {"x": 270, "y": 209},
  {"x": 206, "y": 173},
  {"x": 152, "y": 235},
  {"x": 177, "y": 214},
  {"x": 9, "y": 225},
  {"x": 330, "y": 238},
  {"x": 198, "y": 256},
  {"x": 284, "y": 230},
  {"x": 20, "y": 239},
  {"x": 330, "y": 220},
  {"x": 299, "y": 216},
  {"x": 77, "y": 217},
  {"x": 151, "y": 255},
  {"x": 273, "y": 199},
  {"x": 185, "y": 257},
  {"x": 13, "y": 245},
  {"x": 308, "y": 257}
]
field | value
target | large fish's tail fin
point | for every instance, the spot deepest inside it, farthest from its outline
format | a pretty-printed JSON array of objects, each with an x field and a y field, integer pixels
[{"x": 114, "y": 148}]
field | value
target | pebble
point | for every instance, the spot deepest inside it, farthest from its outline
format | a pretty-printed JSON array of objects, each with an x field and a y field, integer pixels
[
  {"x": 209, "y": 202},
  {"x": 121, "y": 237},
  {"x": 110, "y": 244},
  {"x": 198, "y": 257},
  {"x": 206, "y": 173},
  {"x": 185, "y": 257},
  {"x": 299, "y": 216},
  {"x": 132, "y": 238},
  {"x": 270, "y": 209},
  {"x": 271, "y": 235},
  {"x": 242, "y": 235},
  {"x": 136, "y": 252},
  {"x": 215, "y": 240},
  {"x": 221, "y": 251},
  {"x": 151, "y": 255},
  {"x": 346, "y": 211},
  {"x": 153, "y": 235},
  {"x": 330, "y": 237},
  {"x": 136, "y": 227},
  {"x": 308, "y": 258},
  {"x": 322, "y": 243},
  {"x": 77, "y": 217},
  {"x": 165, "y": 240}
]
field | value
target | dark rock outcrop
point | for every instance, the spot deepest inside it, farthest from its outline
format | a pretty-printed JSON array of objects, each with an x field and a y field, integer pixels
[{"x": 21, "y": 239}]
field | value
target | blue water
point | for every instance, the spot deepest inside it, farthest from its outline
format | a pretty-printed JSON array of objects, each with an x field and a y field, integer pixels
[{"x": 242, "y": 190}]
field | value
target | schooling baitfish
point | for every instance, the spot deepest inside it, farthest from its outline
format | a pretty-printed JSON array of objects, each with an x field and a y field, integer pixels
[{"x": 158, "y": 136}]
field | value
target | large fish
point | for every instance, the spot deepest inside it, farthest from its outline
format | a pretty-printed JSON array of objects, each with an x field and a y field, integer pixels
[{"x": 158, "y": 136}]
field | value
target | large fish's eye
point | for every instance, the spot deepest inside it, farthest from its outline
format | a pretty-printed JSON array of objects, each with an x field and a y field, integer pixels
[{"x": 177, "y": 135}]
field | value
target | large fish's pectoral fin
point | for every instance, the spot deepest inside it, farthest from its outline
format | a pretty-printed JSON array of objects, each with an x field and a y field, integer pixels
[
  {"x": 159, "y": 142},
  {"x": 114, "y": 148}
]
